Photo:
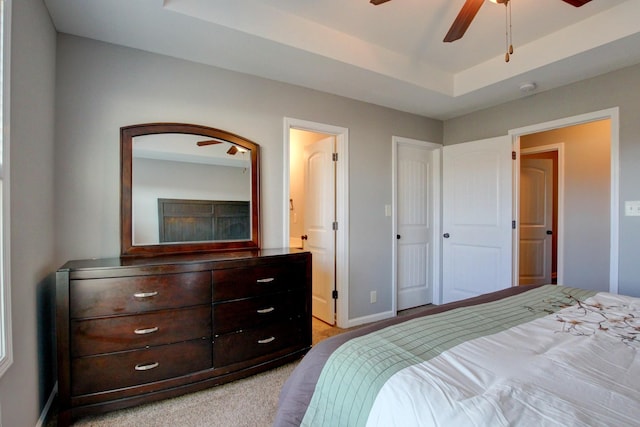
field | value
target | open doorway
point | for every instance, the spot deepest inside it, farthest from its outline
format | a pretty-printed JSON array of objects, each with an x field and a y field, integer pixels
[
  {"x": 316, "y": 210},
  {"x": 567, "y": 224},
  {"x": 312, "y": 213}
]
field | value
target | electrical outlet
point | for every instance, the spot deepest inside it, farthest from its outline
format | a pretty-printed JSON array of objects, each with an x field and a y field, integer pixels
[
  {"x": 632, "y": 208},
  {"x": 374, "y": 297}
]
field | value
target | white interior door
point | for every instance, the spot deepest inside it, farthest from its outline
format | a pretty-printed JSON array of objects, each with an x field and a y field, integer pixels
[
  {"x": 477, "y": 215},
  {"x": 536, "y": 220},
  {"x": 414, "y": 225},
  {"x": 318, "y": 219}
]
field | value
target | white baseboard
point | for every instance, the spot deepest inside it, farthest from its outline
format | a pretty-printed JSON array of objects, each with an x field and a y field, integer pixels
[
  {"x": 45, "y": 411},
  {"x": 368, "y": 319}
]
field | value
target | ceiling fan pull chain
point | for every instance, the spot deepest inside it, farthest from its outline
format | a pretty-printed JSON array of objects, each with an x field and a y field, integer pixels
[{"x": 506, "y": 31}]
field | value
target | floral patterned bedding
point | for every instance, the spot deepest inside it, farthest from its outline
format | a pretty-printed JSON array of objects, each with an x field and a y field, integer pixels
[{"x": 548, "y": 356}]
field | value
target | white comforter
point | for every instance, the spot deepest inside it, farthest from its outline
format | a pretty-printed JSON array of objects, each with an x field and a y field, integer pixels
[{"x": 576, "y": 367}]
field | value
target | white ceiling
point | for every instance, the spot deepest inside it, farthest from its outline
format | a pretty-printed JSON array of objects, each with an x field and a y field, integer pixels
[{"x": 390, "y": 55}]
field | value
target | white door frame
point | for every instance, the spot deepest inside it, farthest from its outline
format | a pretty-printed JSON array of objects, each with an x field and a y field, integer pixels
[
  {"x": 435, "y": 230},
  {"x": 342, "y": 204},
  {"x": 559, "y": 148},
  {"x": 612, "y": 114}
]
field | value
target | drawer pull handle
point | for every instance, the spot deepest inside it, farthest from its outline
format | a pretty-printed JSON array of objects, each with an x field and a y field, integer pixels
[
  {"x": 144, "y": 331},
  {"x": 266, "y": 310},
  {"x": 145, "y": 294},
  {"x": 146, "y": 367},
  {"x": 267, "y": 280},
  {"x": 266, "y": 340}
]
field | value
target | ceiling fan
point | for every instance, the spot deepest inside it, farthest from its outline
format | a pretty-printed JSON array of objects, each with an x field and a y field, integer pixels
[
  {"x": 232, "y": 151},
  {"x": 469, "y": 10}
]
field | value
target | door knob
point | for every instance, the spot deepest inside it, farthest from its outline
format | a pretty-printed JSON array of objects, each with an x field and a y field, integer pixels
[
  {"x": 398, "y": 236},
  {"x": 304, "y": 237},
  {"x": 549, "y": 232},
  {"x": 446, "y": 235}
]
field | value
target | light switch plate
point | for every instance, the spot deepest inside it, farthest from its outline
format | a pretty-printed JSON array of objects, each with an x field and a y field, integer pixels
[{"x": 632, "y": 208}]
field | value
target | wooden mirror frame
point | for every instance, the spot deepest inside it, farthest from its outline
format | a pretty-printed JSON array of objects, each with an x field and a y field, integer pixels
[{"x": 127, "y": 248}]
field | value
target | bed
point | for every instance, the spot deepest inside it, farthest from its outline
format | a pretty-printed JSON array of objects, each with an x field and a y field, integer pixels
[{"x": 525, "y": 356}]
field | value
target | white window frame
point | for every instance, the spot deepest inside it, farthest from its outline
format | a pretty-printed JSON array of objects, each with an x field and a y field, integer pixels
[{"x": 6, "y": 348}]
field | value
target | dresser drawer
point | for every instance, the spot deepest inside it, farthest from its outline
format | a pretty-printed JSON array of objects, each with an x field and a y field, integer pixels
[
  {"x": 105, "y": 335},
  {"x": 236, "y": 283},
  {"x": 112, "y": 371},
  {"x": 109, "y": 296},
  {"x": 255, "y": 312},
  {"x": 251, "y": 343}
]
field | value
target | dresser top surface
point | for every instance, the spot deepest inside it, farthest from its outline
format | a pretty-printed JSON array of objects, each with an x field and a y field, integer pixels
[{"x": 193, "y": 258}]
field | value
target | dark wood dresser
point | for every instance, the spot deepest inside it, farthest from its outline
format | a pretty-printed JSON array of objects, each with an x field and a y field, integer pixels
[{"x": 135, "y": 330}]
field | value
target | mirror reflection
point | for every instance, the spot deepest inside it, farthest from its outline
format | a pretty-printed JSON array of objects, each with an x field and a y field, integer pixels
[{"x": 189, "y": 188}]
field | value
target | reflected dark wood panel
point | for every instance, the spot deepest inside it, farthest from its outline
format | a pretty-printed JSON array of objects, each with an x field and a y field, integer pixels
[{"x": 201, "y": 220}]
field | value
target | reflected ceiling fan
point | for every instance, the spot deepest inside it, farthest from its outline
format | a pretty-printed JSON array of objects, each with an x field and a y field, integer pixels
[{"x": 232, "y": 151}]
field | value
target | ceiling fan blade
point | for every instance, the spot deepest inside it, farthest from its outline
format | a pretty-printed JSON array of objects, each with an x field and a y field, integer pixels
[
  {"x": 208, "y": 142},
  {"x": 232, "y": 150},
  {"x": 377, "y": 2},
  {"x": 463, "y": 20},
  {"x": 577, "y": 3}
]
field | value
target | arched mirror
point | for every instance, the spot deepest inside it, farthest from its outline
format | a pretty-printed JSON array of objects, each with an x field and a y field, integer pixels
[{"x": 187, "y": 188}]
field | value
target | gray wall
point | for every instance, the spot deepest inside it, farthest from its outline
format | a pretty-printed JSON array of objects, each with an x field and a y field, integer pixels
[
  {"x": 163, "y": 179},
  {"x": 26, "y": 386},
  {"x": 101, "y": 87},
  {"x": 615, "y": 89}
]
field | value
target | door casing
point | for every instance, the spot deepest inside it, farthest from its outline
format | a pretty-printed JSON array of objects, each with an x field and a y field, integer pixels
[{"x": 611, "y": 114}]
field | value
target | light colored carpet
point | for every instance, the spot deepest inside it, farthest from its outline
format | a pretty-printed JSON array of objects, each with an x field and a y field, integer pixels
[{"x": 249, "y": 402}]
